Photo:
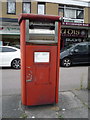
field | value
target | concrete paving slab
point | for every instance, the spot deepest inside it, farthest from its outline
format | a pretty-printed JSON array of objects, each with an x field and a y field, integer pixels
[
  {"x": 67, "y": 100},
  {"x": 45, "y": 111},
  {"x": 82, "y": 95},
  {"x": 75, "y": 113},
  {"x": 69, "y": 106},
  {"x": 11, "y": 106}
]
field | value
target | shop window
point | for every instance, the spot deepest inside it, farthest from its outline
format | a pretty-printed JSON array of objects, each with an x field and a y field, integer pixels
[
  {"x": 41, "y": 8},
  {"x": 26, "y": 7},
  {"x": 11, "y": 7}
]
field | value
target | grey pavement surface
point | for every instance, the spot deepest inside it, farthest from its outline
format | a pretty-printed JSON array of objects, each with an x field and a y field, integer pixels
[
  {"x": 70, "y": 105},
  {"x": 73, "y": 99},
  {"x": 11, "y": 106}
]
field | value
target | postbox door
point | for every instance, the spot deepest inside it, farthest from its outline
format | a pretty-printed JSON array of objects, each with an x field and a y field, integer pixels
[{"x": 40, "y": 74}]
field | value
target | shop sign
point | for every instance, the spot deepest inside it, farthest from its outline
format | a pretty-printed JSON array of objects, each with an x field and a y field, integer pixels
[
  {"x": 9, "y": 30},
  {"x": 76, "y": 24},
  {"x": 73, "y": 40},
  {"x": 73, "y": 32}
]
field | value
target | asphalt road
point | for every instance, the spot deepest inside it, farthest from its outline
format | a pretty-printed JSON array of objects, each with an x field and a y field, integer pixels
[
  {"x": 10, "y": 81},
  {"x": 73, "y": 78},
  {"x": 70, "y": 78}
]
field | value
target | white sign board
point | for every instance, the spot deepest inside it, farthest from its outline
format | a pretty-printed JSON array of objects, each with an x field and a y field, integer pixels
[
  {"x": 41, "y": 57},
  {"x": 9, "y": 30}
]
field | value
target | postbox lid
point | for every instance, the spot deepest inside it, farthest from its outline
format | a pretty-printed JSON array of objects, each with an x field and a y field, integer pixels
[{"x": 33, "y": 17}]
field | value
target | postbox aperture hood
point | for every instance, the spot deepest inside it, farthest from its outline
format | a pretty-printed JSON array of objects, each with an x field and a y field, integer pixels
[{"x": 33, "y": 17}]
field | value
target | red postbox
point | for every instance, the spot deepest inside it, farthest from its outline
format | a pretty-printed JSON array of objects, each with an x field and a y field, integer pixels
[{"x": 40, "y": 56}]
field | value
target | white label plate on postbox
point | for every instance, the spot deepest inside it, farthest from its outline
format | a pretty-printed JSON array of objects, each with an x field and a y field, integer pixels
[{"x": 41, "y": 57}]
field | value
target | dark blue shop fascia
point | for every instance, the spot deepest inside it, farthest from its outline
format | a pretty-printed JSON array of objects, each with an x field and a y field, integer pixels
[{"x": 8, "y": 20}]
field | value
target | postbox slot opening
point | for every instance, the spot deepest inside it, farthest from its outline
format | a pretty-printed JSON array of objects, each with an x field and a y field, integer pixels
[
  {"x": 41, "y": 25},
  {"x": 41, "y": 32}
]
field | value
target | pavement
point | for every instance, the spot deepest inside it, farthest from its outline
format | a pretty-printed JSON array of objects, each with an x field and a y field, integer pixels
[{"x": 73, "y": 103}]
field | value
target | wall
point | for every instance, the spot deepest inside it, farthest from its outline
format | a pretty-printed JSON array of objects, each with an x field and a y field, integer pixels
[
  {"x": 4, "y": 9},
  {"x": 51, "y": 9},
  {"x": 34, "y": 7},
  {"x": 87, "y": 15}
]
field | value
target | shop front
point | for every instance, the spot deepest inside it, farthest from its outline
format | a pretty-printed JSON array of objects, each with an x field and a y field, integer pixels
[
  {"x": 10, "y": 34},
  {"x": 73, "y": 33}
]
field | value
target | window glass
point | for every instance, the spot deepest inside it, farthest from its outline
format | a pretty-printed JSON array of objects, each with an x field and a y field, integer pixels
[
  {"x": 26, "y": 7},
  {"x": 6, "y": 49},
  {"x": 80, "y": 14},
  {"x": 81, "y": 48},
  {"x": 41, "y": 9},
  {"x": 68, "y": 13},
  {"x": 61, "y": 12},
  {"x": 11, "y": 7}
]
